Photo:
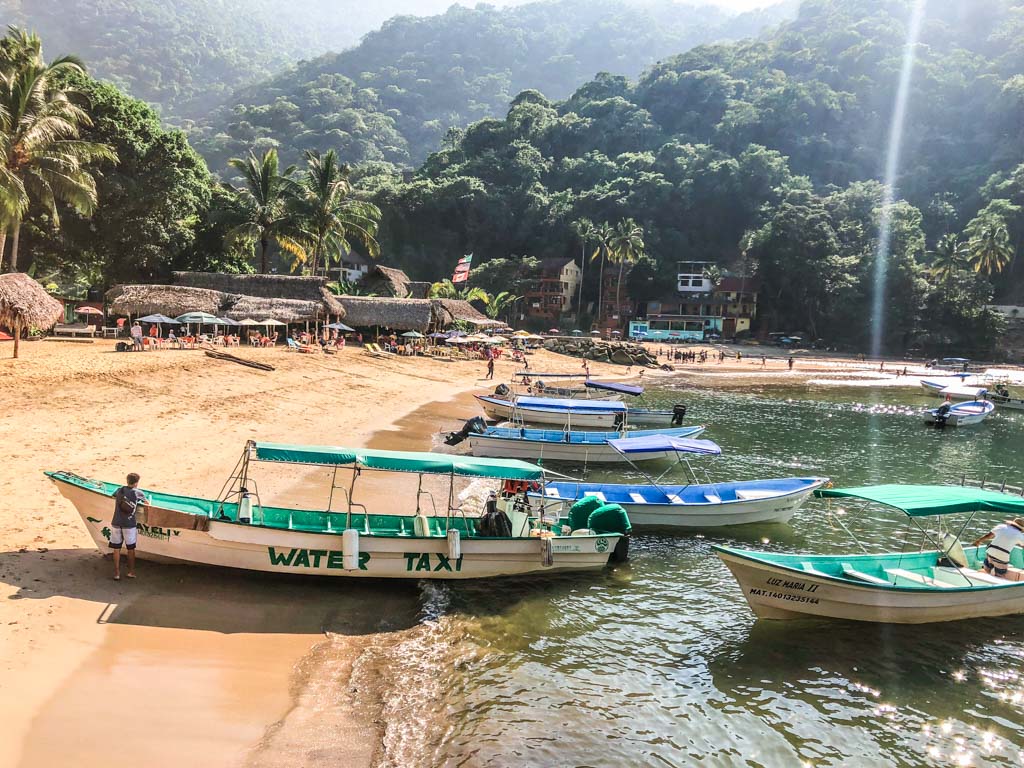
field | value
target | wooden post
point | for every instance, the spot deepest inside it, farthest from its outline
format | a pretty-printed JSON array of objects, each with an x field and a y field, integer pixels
[{"x": 17, "y": 336}]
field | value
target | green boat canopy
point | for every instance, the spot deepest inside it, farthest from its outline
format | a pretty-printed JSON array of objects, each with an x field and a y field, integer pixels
[
  {"x": 925, "y": 500},
  {"x": 399, "y": 461}
]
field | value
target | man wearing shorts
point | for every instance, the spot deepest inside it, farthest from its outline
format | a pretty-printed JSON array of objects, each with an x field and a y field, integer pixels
[
  {"x": 124, "y": 526},
  {"x": 1002, "y": 539}
]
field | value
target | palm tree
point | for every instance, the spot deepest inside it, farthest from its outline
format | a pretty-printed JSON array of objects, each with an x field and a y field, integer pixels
[
  {"x": 951, "y": 255},
  {"x": 499, "y": 303},
  {"x": 627, "y": 246},
  {"x": 264, "y": 202},
  {"x": 329, "y": 215},
  {"x": 584, "y": 229},
  {"x": 991, "y": 251},
  {"x": 42, "y": 157},
  {"x": 603, "y": 234},
  {"x": 445, "y": 289}
]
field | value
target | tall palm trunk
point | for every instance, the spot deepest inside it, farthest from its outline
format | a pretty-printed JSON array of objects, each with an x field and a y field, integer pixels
[
  {"x": 600, "y": 286},
  {"x": 15, "y": 237},
  {"x": 264, "y": 243},
  {"x": 583, "y": 272},
  {"x": 3, "y": 246},
  {"x": 618, "y": 290}
]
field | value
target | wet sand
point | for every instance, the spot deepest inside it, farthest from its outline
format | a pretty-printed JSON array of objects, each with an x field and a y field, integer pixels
[{"x": 184, "y": 662}]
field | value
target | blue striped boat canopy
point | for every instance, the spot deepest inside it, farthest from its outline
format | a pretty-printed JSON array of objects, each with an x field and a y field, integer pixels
[
  {"x": 559, "y": 404},
  {"x": 927, "y": 500},
  {"x": 660, "y": 443},
  {"x": 625, "y": 389}
]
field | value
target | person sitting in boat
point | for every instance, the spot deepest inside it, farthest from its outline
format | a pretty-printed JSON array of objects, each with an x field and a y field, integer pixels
[
  {"x": 1002, "y": 391},
  {"x": 1002, "y": 539},
  {"x": 493, "y": 522}
]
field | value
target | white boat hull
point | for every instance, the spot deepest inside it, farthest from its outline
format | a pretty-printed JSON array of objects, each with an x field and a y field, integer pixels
[
  {"x": 543, "y": 450},
  {"x": 524, "y": 414},
  {"x": 777, "y": 509},
  {"x": 779, "y": 593},
  {"x": 255, "y": 548},
  {"x": 961, "y": 415}
]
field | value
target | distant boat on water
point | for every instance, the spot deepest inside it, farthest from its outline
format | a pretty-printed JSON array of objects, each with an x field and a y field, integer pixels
[{"x": 960, "y": 414}]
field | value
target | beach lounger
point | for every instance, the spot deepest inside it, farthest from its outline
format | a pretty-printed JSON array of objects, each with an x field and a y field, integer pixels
[
  {"x": 74, "y": 329},
  {"x": 294, "y": 346}
]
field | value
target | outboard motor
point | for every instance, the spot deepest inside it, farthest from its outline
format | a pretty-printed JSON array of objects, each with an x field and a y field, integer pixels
[
  {"x": 502, "y": 390},
  {"x": 678, "y": 414},
  {"x": 476, "y": 425},
  {"x": 942, "y": 415}
]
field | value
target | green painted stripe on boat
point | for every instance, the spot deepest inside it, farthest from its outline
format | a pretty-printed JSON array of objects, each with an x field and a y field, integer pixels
[
  {"x": 927, "y": 500},
  {"x": 400, "y": 461}
]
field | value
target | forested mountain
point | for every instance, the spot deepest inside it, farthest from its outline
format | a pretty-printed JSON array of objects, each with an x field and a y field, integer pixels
[
  {"x": 394, "y": 96},
  {"x": 764, "y": 156},
  {"x": 188, "y": 56}
]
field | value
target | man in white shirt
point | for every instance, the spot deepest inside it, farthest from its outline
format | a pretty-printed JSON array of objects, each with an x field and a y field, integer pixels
[
  {"x": 1002, "y": 539},
  {"x": 137, "y": 336}
]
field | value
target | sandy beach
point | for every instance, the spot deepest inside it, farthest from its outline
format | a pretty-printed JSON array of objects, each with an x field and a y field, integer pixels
[{"x": 212, "y": 665}]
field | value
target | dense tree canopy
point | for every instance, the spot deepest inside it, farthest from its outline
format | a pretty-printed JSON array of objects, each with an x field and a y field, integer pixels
[{"x": 395, "y": 96}]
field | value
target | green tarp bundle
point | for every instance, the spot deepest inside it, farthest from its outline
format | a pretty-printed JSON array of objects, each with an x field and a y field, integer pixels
[
  {"x": 925, "y": 500},
  {"x": 399, "y": 461}
]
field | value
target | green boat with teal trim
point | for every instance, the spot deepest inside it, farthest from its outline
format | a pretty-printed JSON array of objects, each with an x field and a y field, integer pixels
[
  {"x": 931, "y": 585},
  {"x": 345, "y": 537}
]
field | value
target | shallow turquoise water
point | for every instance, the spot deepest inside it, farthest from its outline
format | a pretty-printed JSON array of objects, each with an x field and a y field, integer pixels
[{"x": 660, "y": 662}]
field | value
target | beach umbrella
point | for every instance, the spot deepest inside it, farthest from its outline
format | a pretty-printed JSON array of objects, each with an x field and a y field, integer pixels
[
  {"x": 227, "y": 321},
  {"x": 248, "y": 321},
  {"x": 270, "y": 321},
  {"x": 496, "y": 341},
  {"x": 341, "y": 327},
  {"x": 595, "y": 333},
  {"x": 553, "y": 330},
  {"x": 197, "y": 318},
  {"x": 159, "y": 320},
  {"x": 439, "y": 335},
  {"x": 88, "y": 311},
  {"x": 25, "y": 304},
  {"x": 412, "y": 335},
  {"x": 577, "y": 332}
]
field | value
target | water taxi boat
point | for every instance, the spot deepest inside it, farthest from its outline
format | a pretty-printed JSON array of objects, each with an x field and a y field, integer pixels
[
  {"x": 930, "y": 585},
  {"x": 695, "y": 505},
  {"x": 959, "y": 415},
  {"x": 344, "y": 537},
  {"x": 961, "y": 391},
  {"x": 559, "y": 445},
  {"x": 561, "y": 412}
]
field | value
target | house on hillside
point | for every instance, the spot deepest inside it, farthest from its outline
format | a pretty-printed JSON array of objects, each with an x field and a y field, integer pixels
[
  {"x": 725, "y": 310},
  {"x": 354, "y": 267},
  {"x": 551, "y": 295}
]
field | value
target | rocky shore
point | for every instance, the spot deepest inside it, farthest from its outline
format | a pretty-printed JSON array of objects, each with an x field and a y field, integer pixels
[{"x": 598, "y": 350}]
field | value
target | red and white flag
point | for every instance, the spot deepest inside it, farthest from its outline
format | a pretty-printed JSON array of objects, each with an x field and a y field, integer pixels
[{"x": 462, "y": 269}]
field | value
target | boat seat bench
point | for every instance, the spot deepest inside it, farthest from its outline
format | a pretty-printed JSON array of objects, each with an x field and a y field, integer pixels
[
  {"x": 809, "y": 567},
  {"x": 971, "y": 574},
  {"x": 900, "y": 573},
  {"x": 853, "y": 573}
]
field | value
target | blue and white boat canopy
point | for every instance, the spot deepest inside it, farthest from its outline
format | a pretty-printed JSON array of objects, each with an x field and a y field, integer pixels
[
  {"x": 624, "y": 389},
  {"x": 659, "y": 443},
  {"x": 561, "y": 404}
]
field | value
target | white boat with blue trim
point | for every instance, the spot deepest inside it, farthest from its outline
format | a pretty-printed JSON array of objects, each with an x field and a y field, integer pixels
[
  {"x": 695, "y": 505},
  {"x": 959, "y": 414},
  {"x": 559, "y": 445},
  {"x": 937, "y": 584},
  {"x": 344, "y": 538}
]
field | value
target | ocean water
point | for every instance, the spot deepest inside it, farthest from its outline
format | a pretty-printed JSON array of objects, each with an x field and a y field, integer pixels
[{"x": 659, "y": 662}]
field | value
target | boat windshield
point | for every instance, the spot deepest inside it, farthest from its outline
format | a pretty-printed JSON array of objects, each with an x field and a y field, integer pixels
[{"x": 625, "y": 389}]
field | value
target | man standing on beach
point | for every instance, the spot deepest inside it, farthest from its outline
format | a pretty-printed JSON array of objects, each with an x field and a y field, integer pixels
[
  {"x": 137, "y": 335},
  {"x": 124, "y": 525},
  {"x": 490, "y": 367}
]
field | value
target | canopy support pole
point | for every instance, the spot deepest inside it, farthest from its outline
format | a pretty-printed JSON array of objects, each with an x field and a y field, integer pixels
[{"x": 351, "y": 490}]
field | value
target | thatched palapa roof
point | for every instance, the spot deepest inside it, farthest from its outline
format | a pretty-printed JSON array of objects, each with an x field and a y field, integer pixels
[
  {"x": 170, "y": 300},
  {"x": 388, "y": 281},
  {"x": 284, "y": 310},
  {"x": 289, "y": 287},
  {"x": 25, "y": 304},
  {"x": 396, "y": 314},
  {"x": 447, "y": 311}
]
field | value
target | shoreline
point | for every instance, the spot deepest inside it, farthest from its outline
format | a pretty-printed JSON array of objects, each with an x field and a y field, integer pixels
[
  {"x": 99, "y": 413},
  {"x": 226, "y": 662}
]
